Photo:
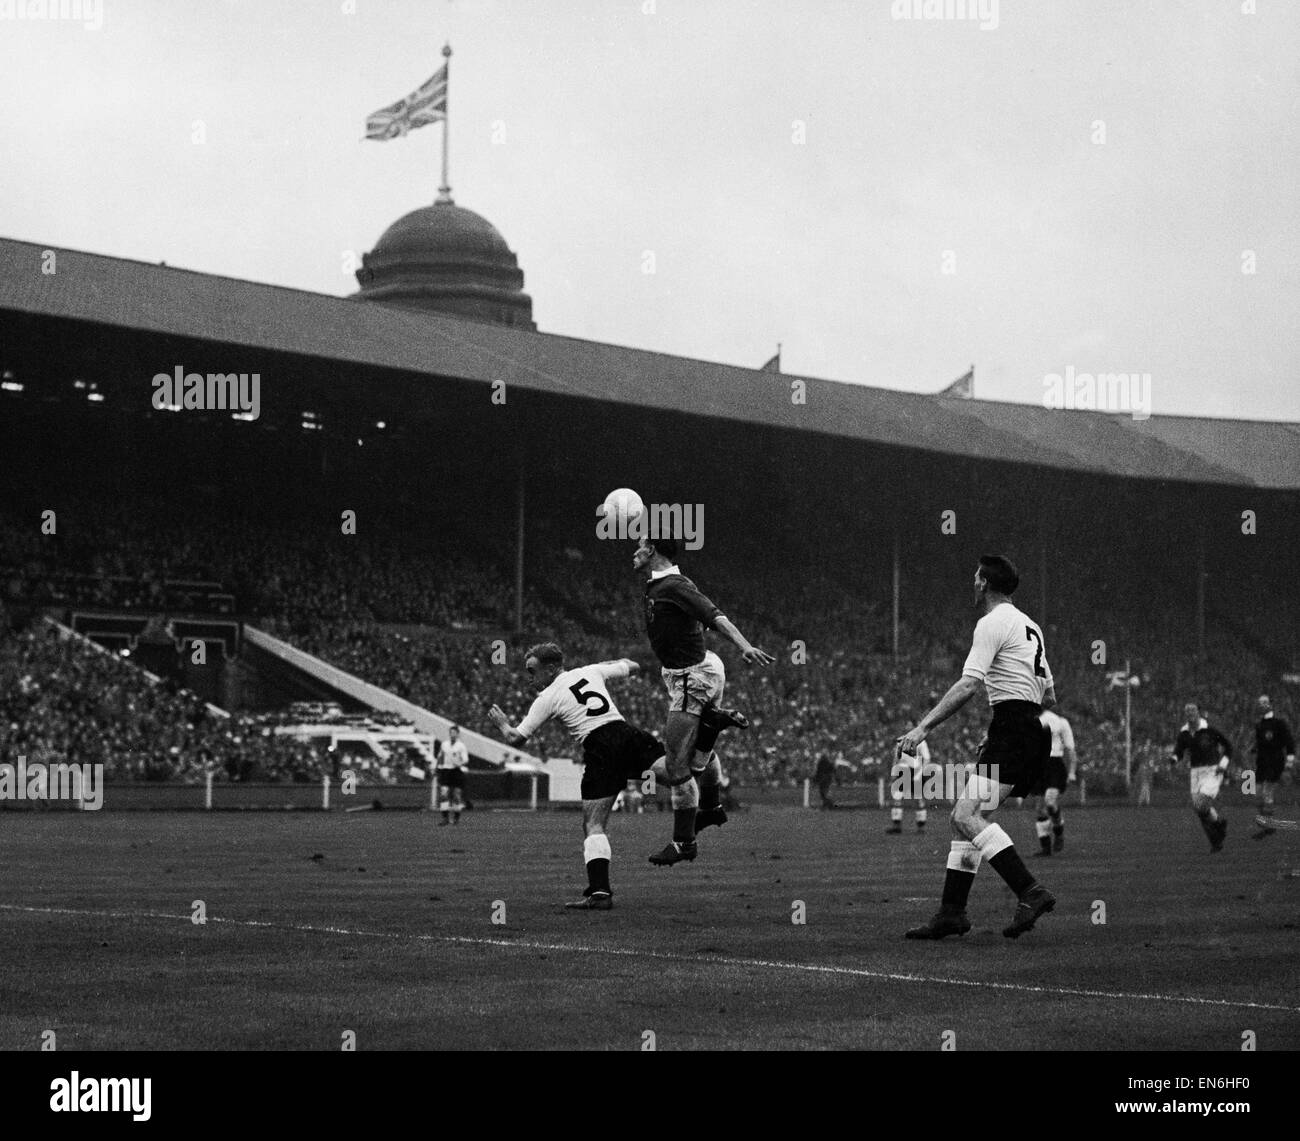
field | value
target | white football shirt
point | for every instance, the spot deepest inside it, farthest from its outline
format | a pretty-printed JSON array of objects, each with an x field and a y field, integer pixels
[
  {"x": 454, "y": 756},
  {"x": 1007, "y": 655},
  {"x": 578, "y": 698},
  {"x": 1062, "y": 734}
]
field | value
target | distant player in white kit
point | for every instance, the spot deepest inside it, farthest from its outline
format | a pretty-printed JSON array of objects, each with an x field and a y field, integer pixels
[
  {"x": 1007, "y": 656},
  {"x": 614, "y": 752},
  {"x": 1050, "y": 823},
  {"x": 907, "y": 782},
  {"x": 450, "y": 772}
]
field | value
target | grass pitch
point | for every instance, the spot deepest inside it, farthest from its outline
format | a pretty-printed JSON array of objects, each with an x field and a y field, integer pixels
[{"x": 381, "y": 923}]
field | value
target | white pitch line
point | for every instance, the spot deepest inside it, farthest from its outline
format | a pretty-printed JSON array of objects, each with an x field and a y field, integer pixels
[{"x": 669, "y": 956}]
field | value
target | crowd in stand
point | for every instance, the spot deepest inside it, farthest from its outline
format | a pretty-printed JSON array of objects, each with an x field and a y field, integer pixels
[
  {"x": 433, "y": 625},
  {"x": 65, "y": 701}
]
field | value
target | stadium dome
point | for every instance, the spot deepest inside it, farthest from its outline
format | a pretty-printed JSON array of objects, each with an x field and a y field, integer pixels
[{"x": 446, "y": 259}]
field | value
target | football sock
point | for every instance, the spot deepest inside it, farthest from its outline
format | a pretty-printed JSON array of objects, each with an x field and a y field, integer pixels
[
  {"x": 1044, "y": 829},
  {"x": 596, "y": 852},
  {"x": 684, "y": 825},
  {"x": 709, "y": 779},
  {"x": 1058, "y": 825},
  {"x": 896, "y": 814},
  {"x": 920, "y": 817},
  {"x": 996, "y": 847},
  {"x": 1209, "y": 824},
  {"x": 963, "y": 863},
  {"x": 707, "y": 736}
]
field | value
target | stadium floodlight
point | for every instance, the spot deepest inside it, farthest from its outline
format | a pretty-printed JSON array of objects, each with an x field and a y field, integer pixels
[
  {"x": 95, "y": 397},
  {"x": 10, "y": 385}
]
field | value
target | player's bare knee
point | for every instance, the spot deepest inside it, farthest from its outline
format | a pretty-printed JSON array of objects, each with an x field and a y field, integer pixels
[
  {"x": 967, "y": 823},
  {"x": 686, "y": 795}
]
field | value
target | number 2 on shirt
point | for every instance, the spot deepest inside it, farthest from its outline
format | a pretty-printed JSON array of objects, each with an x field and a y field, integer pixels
[{"x": 1035, "y": 637}]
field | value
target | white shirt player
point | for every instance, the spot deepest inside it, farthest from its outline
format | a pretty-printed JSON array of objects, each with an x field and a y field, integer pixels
[
  {"x": 1007, "y": 656},
  {"x": 578, "y": 698},
  {"x": 1062, "y": 734},
  {"x": 454, "y": 755}
]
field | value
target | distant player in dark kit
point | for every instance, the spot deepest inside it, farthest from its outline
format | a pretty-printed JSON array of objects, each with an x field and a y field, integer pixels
[
  {"x": 1274, "y": 751},
  {"x": 676, "y": 615},
  {"x": 823, "y": 778},
  {"x": 1210, "y": 752},
  {"x": 1007, "y": 655},
  {"x": 1056, "y": 779},
  {"x": 613, "y": 751}
]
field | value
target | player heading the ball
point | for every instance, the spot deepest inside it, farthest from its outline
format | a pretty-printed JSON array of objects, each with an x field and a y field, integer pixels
[{"x": 676, "y": 616}]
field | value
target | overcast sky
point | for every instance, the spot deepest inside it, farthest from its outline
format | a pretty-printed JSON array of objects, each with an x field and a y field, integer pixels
[{"x": 591, "y": 131}]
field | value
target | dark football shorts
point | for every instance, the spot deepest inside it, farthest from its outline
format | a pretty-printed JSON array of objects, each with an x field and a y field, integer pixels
[
  {"x": 451, "y": 778},
  {"x": 1017, "y": 748},
  {"x": 614, "y": 754},
  {"x": 1055, "y": 775},
  {"x": 1270, "y": 770}
]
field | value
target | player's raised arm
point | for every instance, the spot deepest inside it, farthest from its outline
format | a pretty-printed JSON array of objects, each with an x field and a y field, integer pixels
[
  {"x": 508, "y": 731},
  {"x": 961, "y": 692},
  {"x": 752, "y": 654},
  {"x": 618, "y": 667}
]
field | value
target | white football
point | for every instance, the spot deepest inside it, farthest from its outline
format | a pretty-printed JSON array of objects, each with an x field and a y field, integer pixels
[{"x": 622, "y": 507}]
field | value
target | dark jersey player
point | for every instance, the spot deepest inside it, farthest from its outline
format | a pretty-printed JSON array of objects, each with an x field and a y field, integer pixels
[
  {"x": 1274, "y": 751},
  {"x": 1208, "y": 751},
  {"x": 1007, "y": 656},
  {"x": 676, "y": 615}
]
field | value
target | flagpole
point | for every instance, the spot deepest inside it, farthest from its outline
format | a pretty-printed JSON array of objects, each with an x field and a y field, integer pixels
[
  {"x": 1128, "y": 724},
  {"x": 444, "y": 191}
]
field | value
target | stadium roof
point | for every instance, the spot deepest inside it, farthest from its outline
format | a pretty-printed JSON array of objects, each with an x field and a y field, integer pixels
[{"x": 142, "y": 296}]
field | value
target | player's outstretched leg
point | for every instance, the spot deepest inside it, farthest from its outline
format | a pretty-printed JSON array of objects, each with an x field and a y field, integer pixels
[
  {"x": 710, "y": 812},
  {"x": 707, "y": 766},
  {"x": 596, "y": 853},
  {"x": 921, "y": 816},
  {"x": 1264, "y": 818}
]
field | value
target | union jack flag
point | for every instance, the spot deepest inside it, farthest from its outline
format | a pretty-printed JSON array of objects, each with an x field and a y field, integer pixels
[{"x": 426, "y": 104}]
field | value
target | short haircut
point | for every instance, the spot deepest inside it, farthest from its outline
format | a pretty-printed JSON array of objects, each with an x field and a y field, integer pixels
[
  {"x": 665, "y": 547},
  {"x": 1000, "y": 573},
  {"x": 546, "y": 653}
]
